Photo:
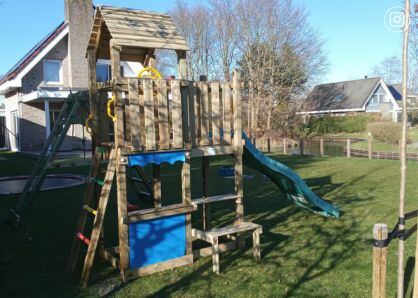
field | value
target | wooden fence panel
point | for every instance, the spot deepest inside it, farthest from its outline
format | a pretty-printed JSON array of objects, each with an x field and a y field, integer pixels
[
  {"x": 134, "y": 111},
  {"x": 204, "y": 114},
  {"x": 227, "y": 113}
]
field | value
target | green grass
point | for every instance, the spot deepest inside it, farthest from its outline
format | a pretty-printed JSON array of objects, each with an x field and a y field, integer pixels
[{"x": 302, "y": 254}]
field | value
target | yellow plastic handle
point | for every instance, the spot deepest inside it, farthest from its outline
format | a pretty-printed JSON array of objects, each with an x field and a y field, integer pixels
[
  {"x": 109, "y": 108},
  {"x": 154, "y": 74},
  {"x": 88, "y": 128}
]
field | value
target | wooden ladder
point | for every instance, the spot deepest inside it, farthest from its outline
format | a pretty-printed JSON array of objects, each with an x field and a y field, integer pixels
[{"x": 98, "y": 214}]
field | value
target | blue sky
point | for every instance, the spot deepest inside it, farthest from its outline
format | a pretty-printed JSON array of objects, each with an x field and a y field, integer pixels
[{"x": 354, "y": 31}]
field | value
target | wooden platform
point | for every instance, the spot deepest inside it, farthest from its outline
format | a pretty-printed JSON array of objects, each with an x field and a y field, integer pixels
[{"x": 212, "y": 237}]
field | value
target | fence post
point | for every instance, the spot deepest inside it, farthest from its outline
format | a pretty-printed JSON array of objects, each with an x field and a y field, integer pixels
[
  {"x": 369, "y": 148},
  {"x": 284, "y": 146},
  {"x": 380, "y": 232},
  {"x": 348, "y": 148},
  {"x": 321, "y": 146},
  {"x": 268, "y": 145}
]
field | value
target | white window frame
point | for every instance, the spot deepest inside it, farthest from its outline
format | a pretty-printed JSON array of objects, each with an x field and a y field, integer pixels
[{"x": 60, "y": 72}]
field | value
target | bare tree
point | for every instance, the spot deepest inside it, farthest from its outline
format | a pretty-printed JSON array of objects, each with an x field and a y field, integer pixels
[{"x": 390, "y": 69}]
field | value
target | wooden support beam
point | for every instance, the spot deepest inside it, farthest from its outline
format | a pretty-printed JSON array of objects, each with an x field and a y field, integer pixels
[
  {"x": 120, "y": 167},
  {"x": 182, "y": 64},
  {"x": 205, "y": 192},
  {"x": 94, "y": 100},
  {"x": 321, "y": 147},
  {"x": 369, "y": 145},
  {"x": 187, "y": 200},
  {"x": 156, "y": 185},
  {"x": 238, "y": 146}
]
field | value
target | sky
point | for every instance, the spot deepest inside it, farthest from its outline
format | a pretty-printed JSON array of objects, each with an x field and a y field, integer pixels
[{"x": 355, "y": 33}]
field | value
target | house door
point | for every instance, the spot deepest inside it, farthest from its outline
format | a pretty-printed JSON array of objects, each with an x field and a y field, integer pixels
[{"x": 14, "y": 138}]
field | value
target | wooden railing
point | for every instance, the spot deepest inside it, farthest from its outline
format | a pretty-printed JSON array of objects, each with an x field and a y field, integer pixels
[{"x": 175, "y": 114}]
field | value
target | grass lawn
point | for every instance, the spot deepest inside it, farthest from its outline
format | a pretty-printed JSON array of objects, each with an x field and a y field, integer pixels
[{"x": 302, "y": 254}]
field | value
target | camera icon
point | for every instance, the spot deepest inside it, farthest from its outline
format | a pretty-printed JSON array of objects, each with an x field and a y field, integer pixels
[{"x": 395, "y": 19}]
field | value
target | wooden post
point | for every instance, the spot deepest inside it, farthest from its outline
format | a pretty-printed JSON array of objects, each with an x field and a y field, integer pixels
[
  {"x": 380, "y": 233},
  {"x": 321, "y": 146},
  {"x": 348, "y": 148},
  {"x": 120, "y": 167},
  {"x": 239, "y": 203},
  {"x": 205, "y": 192},
  {"x": 182, "y": 65},
  {"x": 284, "y": 146},
  {"x": 268, "y": 145},
  {"x": 369, "y": 145}
]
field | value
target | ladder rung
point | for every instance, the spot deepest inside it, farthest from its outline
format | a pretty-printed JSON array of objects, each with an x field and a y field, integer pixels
[
  {"x": 97, "y": 181},
  {"x": 89, "y": 209},
  {"x": 83, "y": 238}
]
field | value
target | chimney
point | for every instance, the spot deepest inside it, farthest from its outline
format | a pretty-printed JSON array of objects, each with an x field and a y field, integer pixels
[{"x": 79, "y": 16}]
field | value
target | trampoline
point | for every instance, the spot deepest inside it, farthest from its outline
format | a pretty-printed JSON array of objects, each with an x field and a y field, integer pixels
[{"x": 15, "y": 184}]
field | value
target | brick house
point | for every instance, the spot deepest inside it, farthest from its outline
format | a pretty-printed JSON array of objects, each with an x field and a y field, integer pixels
[
  {"x": 368, "y": 95},
  {"x": 35, "y": 87}
]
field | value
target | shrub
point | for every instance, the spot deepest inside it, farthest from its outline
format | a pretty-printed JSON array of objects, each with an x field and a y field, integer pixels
[
  {"x": 387, "y": 132},
  {"x": 348, "y": 124}
]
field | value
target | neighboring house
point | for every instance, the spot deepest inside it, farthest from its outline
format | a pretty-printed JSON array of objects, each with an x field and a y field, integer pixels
[
  {"x": 35, "y": 88},
  {"x": 368, "y": 95}
]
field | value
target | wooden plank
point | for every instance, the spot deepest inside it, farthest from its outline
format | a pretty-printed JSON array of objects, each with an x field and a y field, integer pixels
[
  {"x": 215, "y": 255},
  {"x": 207, "y": 251},
  {"x": 234, "y": 229},
  {"x": 227, "y": 127},
  {"x": 162, "y": 266},
  {"x": 176, "y": 115},
  {"x": 163, "y": 125},
  {"x": 134, "y": 114},
  {"x": 212, "y": 151},
  {"x": 150, "y": 140},
  {"x": 216, "y": 114},
  {"x": 181, "y": 65},
  {"x": 151, "y": 44},
  {"x": 164, "y": 211},
  {"x": 98, "y": 220},
  {"x": 204, "y": 114},
  {"x": 256, "y": 244},
  {"x": 112, "y": 260},
  {"x": 103, "y": 118},
  {"x": 213, "y": 199}
]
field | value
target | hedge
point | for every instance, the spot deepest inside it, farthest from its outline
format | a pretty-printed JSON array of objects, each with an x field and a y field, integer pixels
[{"x": 348, "y": 124}]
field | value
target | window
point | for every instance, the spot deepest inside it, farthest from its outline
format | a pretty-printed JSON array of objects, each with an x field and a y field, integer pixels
[
  {"x": 52, "y": 72},
  {"x": 104, "y": 72},
  {"x": 338, "y": 97}
]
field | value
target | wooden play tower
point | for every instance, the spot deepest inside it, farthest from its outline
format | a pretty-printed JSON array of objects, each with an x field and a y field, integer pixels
[{"x": 157, "y": 121}]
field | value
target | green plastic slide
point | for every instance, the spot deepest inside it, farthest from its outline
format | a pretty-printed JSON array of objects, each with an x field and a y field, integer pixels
[{"x": 287, "y": 180}]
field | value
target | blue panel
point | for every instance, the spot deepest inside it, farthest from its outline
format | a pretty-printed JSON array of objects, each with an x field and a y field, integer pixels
[
  {"x": 157, "y": 158},
  {"x": 157, "y": 240}
]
